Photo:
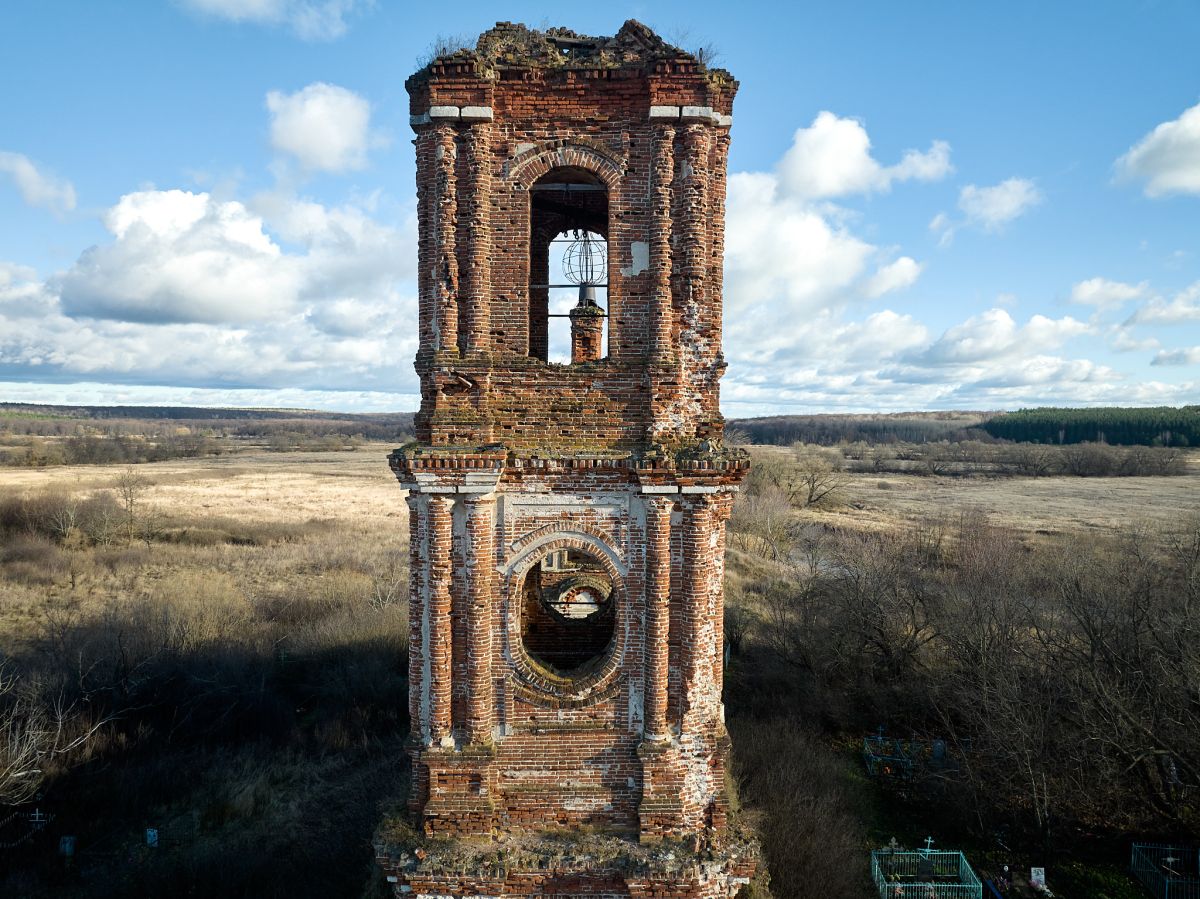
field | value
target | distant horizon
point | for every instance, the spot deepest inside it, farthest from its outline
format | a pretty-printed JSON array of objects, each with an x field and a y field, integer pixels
[
  {"x": 935, "y": 206},
  {"x": 4, "y": 400}
]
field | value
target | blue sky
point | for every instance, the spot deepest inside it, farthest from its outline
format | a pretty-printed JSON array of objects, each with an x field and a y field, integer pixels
[{"x": 932, "y": 205}]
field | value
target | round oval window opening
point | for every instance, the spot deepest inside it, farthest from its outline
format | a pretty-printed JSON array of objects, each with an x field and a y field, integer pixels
[{"x": 567, "y": 611}]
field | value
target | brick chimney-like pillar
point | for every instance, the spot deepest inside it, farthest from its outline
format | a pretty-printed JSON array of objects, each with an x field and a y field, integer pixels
[
  {"x": 662, "y": 175},
  {"x": 699, "y": 545},
  {"x": 587, "y": 334},
  {"x": 445, "y": 253}
]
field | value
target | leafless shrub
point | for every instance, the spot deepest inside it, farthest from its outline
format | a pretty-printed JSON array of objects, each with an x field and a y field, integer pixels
[
  {"x": 444, "y": 45},
  {"x": 1030, "y": 459},
  {"x": 36, "y": 734},
  {"x": 100, "y": 518},
  {"x": 817, "y": 477},
  {"x": 1088, "y": 460},
  {"x": 764, "y": 520}
]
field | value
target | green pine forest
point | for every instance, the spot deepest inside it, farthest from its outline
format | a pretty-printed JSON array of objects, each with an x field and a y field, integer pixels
[{"x": 1154, "y": 426}]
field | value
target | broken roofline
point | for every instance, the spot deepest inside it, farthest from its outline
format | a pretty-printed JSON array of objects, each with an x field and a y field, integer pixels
[{"x": 509, "y": 46}]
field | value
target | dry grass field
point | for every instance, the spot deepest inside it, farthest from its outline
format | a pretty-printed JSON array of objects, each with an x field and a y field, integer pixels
[
  {"x": 357, "y": 491},
  {"x": 1052, "y": 505},
  {"x": 355, "y": 487},
  {"x": 242, "y": 652}
]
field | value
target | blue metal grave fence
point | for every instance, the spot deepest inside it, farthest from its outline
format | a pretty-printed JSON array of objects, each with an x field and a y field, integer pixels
[
  {"x": 924, "y": 875},
  {"x": 1168, "y": 872}
]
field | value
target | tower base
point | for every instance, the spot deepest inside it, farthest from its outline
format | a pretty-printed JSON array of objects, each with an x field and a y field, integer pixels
[{"x": 567, "y": 865}]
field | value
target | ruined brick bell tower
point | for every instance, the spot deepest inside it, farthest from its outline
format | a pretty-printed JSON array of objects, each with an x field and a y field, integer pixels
[{"x": 568, "y": 487}]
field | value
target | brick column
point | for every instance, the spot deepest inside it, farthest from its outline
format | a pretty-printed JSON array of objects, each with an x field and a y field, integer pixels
[
  {"x": 697, "y": 628},
  {"x": 418, "y": 656},
  {"x": 426, "y": 149},
  {"x": 692, "y": 233},
  {"x": 480, "y": 558},
  {"x": 475, "y": 202},
  {"x": 722, "y": 509},
  {"x": 658, "y": 612},
  {"x": 661, "y": 176},
  {"x": 440, "y": 534},
  {"x": 717, "y": 187},
  {"x": 445, "y": 258}
]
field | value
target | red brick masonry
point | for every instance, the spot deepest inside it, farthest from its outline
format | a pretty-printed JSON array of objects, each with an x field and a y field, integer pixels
[{"x": 607, "y": 778}]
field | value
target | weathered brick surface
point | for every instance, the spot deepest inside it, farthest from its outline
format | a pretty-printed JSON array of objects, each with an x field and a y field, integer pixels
[{"x": 617, "y": 458}]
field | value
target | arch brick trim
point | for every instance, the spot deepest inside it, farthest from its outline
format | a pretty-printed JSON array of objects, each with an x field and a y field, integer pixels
[
  {"x": 535, "y": 683},
  {"x": 528, "y": 167}
]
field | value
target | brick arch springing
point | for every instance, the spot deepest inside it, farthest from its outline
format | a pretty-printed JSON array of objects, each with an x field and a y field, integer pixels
[{"x": 526, "y": 168}]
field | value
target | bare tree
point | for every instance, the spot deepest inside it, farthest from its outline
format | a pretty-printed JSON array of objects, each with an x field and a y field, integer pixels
[
  {"x": 131, "y": 488},
  {"x": 62, "y": 514},
  {"x": 765, "y": 520},
  {"x": 32, "y": 733},
  {"x": 818, "y": 477},
  {"x": 101, "y": 518},
  {"x": 1031, "y": 459}
]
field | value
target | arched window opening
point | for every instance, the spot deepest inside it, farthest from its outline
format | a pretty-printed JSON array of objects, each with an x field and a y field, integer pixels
[
  {"x": 568, "y": 270},
  {"x": 567, "y": 611}
]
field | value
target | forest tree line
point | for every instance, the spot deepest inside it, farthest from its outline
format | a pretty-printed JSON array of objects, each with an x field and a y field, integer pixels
[
  {"x": 1117, "y": 426},
  {"x": 1156, "y": 426},
  {"x": 45, "y": 436}
]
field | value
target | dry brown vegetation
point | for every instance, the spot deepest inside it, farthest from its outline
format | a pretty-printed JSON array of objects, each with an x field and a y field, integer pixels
[
  {"x": 215, "y": 647},
  {"x": 239, "y": 664},
  {"x": 1048, "y": 630}
]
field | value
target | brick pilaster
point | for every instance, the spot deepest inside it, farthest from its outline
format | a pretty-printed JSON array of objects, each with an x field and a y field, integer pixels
[
  {"x": 418, "y": 651},
  {"x": 658, "y": 612},
  {"x": 722, "y": 508},
  {"x": 440, "y": 535},
  {"x": 481, "y": 589},
  {"x": 662, "y": 175},
  {"x": 444, "y": 255},
  {"x": 474, "y": 203},
  {"x": 696, "y": 639}
]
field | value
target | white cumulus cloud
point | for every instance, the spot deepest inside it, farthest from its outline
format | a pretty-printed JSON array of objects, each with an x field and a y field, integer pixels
[
  {"x": 1103, "y": 293},
  {"x": 325, "y": 127},
  {"x": 896, "y": 275},
  {"x": 995, "y": 334},
  {"x": 203, "y": 293},
  {"x": 1183, "y": 307},
  {"x": 785, "y": 262},
  {"x": 311, "y": 20},
  {"x": 179, "y": 256},
  {"x": 1168, "y": 158},
  {"x": 993, "y": 207},
  {"x": 832, "y": 157},
  {"x": 37, "y": 187},
  {"x": 1188, "y": 356}
]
